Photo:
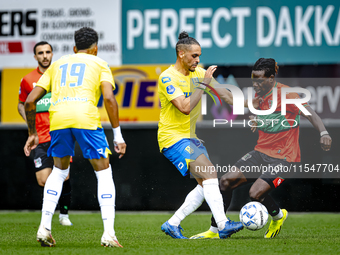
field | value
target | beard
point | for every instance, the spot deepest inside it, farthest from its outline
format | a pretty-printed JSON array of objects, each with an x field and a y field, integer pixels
[
  {"x": 192, "y": 69},
  {"x": 44, "y": 66}
]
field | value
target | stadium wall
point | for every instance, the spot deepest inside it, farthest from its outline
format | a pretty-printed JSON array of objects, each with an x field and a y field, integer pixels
[{"x": 146, "y": 180}]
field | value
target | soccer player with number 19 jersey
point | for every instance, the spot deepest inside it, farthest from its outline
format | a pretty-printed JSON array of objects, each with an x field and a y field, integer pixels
[{"x": 77, "y": 82}]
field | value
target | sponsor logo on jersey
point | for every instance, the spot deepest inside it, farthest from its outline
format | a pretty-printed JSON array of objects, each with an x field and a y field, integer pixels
[
  {"x": 170, "y": 89},
  {"x": 44, "y": 101},
  {"x": 187, "y": 94},
  {"x": 180, "y": 165},
  {"x": 166, "y": 79},
  {"x": 183, "y": 85}
]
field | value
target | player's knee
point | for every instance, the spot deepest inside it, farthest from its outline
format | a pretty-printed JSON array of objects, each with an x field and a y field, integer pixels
[
  {"x": 255, "y": 195},
  {"x": 41, "y": 183},
  {"x": 224, "y": 183}
]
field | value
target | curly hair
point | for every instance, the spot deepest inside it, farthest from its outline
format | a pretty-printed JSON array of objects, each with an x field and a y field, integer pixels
[{"x": 85, "y": 38}]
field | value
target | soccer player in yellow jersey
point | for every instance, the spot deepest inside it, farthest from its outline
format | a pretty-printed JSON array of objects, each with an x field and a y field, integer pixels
[
  {"x": 77, "y": 82},
  {"x": 178, "y": 142}
]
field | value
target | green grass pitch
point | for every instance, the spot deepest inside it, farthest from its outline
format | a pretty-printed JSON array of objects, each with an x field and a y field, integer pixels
[{"x": 140, "y": 233}]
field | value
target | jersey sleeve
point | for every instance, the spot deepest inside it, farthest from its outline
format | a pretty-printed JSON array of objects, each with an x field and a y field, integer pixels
[
  {"x": 292, "y": 107},
  {"x": 23, "y": 91},
  {"x": 169, "y": 88},
  {"x": 106, "y": 75},
  {"x": 45, "y": 80}
]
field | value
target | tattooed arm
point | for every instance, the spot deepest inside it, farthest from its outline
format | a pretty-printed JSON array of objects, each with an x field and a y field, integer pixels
[{"x": 30, "y": 110}]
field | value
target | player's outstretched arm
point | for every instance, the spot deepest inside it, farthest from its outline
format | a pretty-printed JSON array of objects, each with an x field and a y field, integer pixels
[
  {"x": 325, "y": 139},
  {"x": 21, "y": 110},
  {"x": 186, "y": 105},
  {"x": 227, "y": 97},
  {"x": 30, "y": 110},
  {"x": 111, "y": 107}
]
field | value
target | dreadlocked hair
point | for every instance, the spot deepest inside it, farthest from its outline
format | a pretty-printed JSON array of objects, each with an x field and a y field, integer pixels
[{"x": 268, "y": 65}]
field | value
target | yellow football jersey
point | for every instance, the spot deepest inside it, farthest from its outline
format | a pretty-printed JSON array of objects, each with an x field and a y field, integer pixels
[
  {"x": 174, "y": 125},
  {"x": 74, "y": 81}
]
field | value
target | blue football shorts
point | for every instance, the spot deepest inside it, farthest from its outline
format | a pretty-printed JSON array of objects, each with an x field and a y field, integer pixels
[
  {"x": 93, "y": 143},
  {"x": 184, "y": 151}
]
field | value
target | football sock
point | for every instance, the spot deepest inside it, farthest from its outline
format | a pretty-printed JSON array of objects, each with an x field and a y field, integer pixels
[
  {"x": 227, "y": 196},
  {"x": 278, "y": 216},
  {"x": 106, "y": 198},
  {"x": 193, "y": 200},
  {"x": 213, "y": 229},
  {"x": 63, "y": 215},
  {"x": 52, "y": 192},
  {"x": 65, "y": 197},
  {"x": 271, "y": 205},
  {"x": 214, "y": 199}
]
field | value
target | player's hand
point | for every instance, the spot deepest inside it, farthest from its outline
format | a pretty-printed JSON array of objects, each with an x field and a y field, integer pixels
[
  {"x": 31, "y": 143},
  {"x": 257, "y": 101},
  {"x": 326, "y": 142},
  {"x": 253, "y": 123},
  {"x": 120, "y": 148},
  {"x": 209, "y": 74}
]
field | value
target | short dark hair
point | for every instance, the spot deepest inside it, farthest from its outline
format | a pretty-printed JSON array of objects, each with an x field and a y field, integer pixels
[
  {"x": 41, "y": 43},
  {"x": 268, "y": 65},
  {"x": 185, "y": 40},
  {"x": 85, "y": 38}
]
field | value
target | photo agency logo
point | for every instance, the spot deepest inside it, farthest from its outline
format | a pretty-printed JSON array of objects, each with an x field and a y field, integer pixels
[
  {"x": 239, "y": 104},
  {"x": 208, "y": 92}
]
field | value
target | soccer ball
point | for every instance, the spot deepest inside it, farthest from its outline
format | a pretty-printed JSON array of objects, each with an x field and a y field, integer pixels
[{"x": 254, "y": 216}]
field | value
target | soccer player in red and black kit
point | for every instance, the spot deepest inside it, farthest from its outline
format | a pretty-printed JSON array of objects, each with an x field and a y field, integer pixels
[
  {"x": 43, "y": 164},
  {"x": 277, "y": 147}
]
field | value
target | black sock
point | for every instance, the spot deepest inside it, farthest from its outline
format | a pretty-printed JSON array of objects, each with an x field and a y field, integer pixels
[
  {"x": 226, "y": 195},
  {"x": 272, "y": 207},
  {"x": 65, "y": 197}
]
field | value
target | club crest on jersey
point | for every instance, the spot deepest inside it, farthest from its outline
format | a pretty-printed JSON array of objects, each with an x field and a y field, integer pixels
[
  {"x": 170, "y": 89},
  {"x": 270, "y": 102},
  {"x": 195, "y": 81},
  {"x": 166, "y": 79}
]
